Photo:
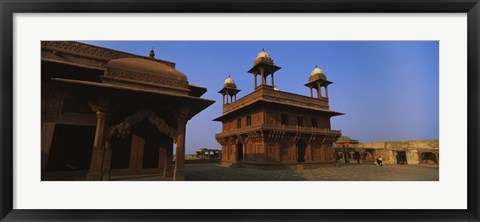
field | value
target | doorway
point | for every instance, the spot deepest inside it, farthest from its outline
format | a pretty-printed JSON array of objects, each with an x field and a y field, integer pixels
[
  {"x": 428, "y": 157},
  {"x": 401, "y": 157},
  {"x": 239, "y": 151},
  {"x": 301, "y": 150}
]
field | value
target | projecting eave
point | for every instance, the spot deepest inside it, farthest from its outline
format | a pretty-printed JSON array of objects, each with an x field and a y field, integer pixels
[
  {"x": 314, "y": 83},
  {"x": 196, "y": 104},
  {"x": 224, "y": 89},
  {"x": 252, "y": 70},
  {"x": 196, "y": 91},
  {"x": 329, "y": 112}
]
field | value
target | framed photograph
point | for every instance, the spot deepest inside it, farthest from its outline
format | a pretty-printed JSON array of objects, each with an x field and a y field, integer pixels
[{"x": 211, "y": 110}]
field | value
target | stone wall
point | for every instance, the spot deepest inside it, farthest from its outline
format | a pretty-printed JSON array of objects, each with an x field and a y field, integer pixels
[
  {"x": 406, "y": 144},
  {"x": 402, "y": 152}
]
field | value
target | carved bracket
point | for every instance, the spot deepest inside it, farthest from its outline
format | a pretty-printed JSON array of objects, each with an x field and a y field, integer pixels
[
  {"x": 275, "y": 136},
  {"x": 124, "y": 128}
]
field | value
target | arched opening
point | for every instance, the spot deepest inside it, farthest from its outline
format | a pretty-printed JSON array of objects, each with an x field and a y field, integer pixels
[
  {"x": 258, "y": 80},
  {"x": 141, "y": 141},
  {"x": 301, "y": 150},
  {"x": 153, "y": 140},
  {"x": 401, "y": 157},
  {"x": 120, "y": 152},
  {"x": 239, "y": 152},
  {"x": 323, "y": 91},
  {"x": 428, "y": 157},
  {"x": 368, "y": 157},
  {"x": 356, "y": 156}
]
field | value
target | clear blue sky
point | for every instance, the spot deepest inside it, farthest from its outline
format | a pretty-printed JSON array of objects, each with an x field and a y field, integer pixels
[{"x": 389, "y": 90}]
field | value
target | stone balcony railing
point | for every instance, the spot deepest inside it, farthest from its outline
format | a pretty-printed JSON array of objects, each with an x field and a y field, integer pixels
[
  {"x": 269, "y": 94},
  {"x": 285, "y": 128}
]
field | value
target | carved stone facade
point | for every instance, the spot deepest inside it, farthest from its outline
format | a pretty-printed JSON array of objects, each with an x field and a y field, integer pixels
[
  {"x": 407, "y": 152},
  {"x": 94, "y": 128},
  {"x": 272, "y": 129}
]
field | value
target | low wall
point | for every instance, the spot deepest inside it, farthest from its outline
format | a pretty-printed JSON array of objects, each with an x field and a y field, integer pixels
[{"x": 389, "y": 150}]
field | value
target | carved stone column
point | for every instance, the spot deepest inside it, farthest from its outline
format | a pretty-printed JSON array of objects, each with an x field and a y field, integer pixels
[
  {"x": 136, "y": 152},
  {"x": 47, "y": 138},
  {"x": 162, "y": 156},
  {"x": 107, "y": 161},
  {"x": 319, "y": 91},
  {"x": 263, "y": 76},
  {"x": 182, "y": 119},
  {"x": 96, "y": 162},
  {"x": 168, "y": 169}
]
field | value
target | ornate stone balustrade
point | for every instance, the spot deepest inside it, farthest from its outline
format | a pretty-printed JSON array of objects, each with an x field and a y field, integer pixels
[
  {"x": 268, "y": 94},
  {"x": 269, "y": 127}
]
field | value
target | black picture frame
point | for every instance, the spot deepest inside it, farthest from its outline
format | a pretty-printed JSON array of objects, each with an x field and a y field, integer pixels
[{"x": 9, "y": 7}]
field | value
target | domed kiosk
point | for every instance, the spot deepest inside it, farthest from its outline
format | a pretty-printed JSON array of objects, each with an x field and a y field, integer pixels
[
  {"x": 317, "y": 81},
  {"x": 263, "y": 66},
  {"x": 108, "y": 114},
  {"x": 229, "y": 91}
]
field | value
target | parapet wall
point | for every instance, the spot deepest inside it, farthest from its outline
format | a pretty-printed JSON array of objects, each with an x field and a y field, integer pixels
[
  {"x": 406, "y": 144},
  {"x": 411, "y": 152}
]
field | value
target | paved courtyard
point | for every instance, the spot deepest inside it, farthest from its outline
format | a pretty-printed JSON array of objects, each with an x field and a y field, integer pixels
[{"x": 354, "y": 172}]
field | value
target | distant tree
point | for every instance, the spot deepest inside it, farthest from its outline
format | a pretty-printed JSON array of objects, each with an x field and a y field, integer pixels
[{"x": 344, "y": 138}]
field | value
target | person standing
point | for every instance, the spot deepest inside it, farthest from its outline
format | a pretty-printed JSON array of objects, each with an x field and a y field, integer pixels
[{"x": 380, "y": 161}]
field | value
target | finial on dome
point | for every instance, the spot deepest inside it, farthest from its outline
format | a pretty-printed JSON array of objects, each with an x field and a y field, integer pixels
[
  {"x": 263, "y": 49},
  {"x": 229, "y": 82},
  {"x": 152, "y": 53},
  {"x": 317, "y": 71}
]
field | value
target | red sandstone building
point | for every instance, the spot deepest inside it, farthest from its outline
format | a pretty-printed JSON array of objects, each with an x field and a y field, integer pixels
[
  {"x": 108, "y": 113},
  {"x": 269, "y": 128}
]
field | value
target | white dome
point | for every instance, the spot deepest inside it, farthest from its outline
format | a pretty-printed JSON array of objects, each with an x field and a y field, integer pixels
[
  {"x": 263, "y": 54},
  {"x": 229, "y": 80},
  {"x": 316, "y": 71}
]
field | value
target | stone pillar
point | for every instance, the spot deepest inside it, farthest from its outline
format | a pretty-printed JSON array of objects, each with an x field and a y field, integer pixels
[
  {"x": 96, "y": 162},
  {"x": 162, "y": 157},
  {"x": 255, "y": 79},
  {"x": 178, "y": 174},
  {"x": 420, "y": 155},
  {"x": 312, "y": 151},
  {"x": 319, "y": 90},
  {"x": 436, "y": 157},
  {"x": 311, "y": 91},
  {"x": 47, "y": 137},
  {"x": 223, "y": 97},
  {"x": 107, "y": 161},
  {"x": 263, "y": 76},
  {"x": 273, "y": 81},
  {"x": 168, "y": 168},
  {"x": 326, "y": 91},
  {"x": 136, "y": 151}
]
